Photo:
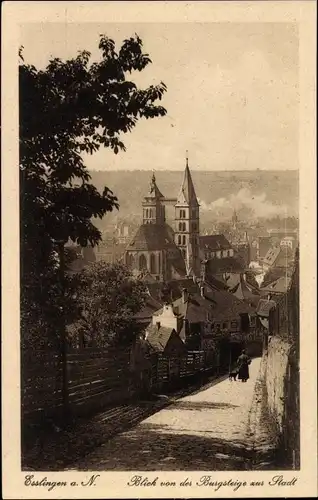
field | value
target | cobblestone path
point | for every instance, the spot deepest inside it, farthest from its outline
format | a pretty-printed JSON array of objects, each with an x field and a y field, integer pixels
[{"x": 208, "y": 430}]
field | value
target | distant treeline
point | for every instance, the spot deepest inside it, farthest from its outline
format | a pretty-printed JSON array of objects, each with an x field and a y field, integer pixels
[{"x": 269, "y": 188}]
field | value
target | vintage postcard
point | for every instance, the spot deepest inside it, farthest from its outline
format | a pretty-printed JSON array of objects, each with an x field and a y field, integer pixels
[{"x": 159, "y": 249}]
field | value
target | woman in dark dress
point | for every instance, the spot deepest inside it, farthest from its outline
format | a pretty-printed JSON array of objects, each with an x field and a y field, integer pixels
[{"x": 243, "y": 363}]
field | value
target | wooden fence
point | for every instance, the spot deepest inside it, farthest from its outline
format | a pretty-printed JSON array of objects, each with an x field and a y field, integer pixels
[{"x": 96, "y": 378}]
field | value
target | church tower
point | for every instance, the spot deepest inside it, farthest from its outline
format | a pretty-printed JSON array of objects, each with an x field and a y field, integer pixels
[
  {"x": 153, "y": 205},
  {"x": 187, "y": 221}
]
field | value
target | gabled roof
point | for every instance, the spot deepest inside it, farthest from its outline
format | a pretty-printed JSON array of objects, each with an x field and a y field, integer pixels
[
  {"x": 220, "y": 304},
  {"x": 144, "y": 276},
  {"x": 264, "y": 307},
  {"x": 280, "y": 285},
  {"x": 152, "y": 237},
  {"x": 158, "y": 338},
  {"x": 214, "y": 242},
  {"x": 151, "y": 305},
  {"x": 271, "y": 256},
  {"x": 176, "y": 287},
  {"x": 243, "y": 291},
  {"x": 187, "y": 194}
]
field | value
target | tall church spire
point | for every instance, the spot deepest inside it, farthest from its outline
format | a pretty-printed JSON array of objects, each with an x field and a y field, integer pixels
[
  {"x": 187, "y": 192},
  {"x": 187, "y": 222}
]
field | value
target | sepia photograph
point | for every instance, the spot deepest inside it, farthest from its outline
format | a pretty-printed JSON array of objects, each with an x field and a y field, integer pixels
[{"x": 159, "y": 248}]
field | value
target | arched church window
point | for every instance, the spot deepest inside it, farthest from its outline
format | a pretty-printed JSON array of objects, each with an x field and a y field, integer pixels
[
  {"x": 150, "y": 213},
  {"x": 183, "y": 240},
  {"x": 129, "y": 260},
  {"x": 180, "y": 226},
  {"x": 179, "y": 240},
  {"x": 184, "y": 226},
  {"x": 147, "y": 213},
  {"x": 142, "y": 263},
  {"x": 152, "y": 263}
]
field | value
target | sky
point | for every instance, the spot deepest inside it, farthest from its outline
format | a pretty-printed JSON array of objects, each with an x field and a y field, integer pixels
[{"x": 232, "y": 98}]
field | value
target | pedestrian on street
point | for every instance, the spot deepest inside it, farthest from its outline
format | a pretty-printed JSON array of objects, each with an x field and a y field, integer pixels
[{"x": 243, "y": 363}]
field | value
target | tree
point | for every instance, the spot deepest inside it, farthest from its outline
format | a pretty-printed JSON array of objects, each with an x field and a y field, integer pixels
[
  {"x": 109, "y": 297},
  {"x": 70, "y": 108}
]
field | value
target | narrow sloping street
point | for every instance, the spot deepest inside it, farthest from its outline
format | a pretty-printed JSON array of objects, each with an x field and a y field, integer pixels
[{"x": 208, "y": 430}]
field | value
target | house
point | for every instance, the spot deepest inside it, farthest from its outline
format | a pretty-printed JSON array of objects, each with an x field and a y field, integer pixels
[
  {"x": 289, "y": 241},
  {"x": 204, "y": 314},
  {"x": 242, "y": 289},
  {"x": 270, "y": 258},
  {"x": 277, "y": 287},
  {"x": 160, "y": 293},
  {"x": 215, "y": 246},
  {"x": 264, "y": 308},
  {"x": 216, "y": 268},
  {"x": 279, "y": 256},
  {"x": 165, "y": 341},
  {"x": 144, "y": 316}
]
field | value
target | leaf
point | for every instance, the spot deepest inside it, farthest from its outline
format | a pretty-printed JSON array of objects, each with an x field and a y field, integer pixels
[{"x": 68, "y": 108}]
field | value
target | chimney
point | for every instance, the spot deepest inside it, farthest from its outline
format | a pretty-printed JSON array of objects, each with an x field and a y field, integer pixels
[{"x": 185, "y": 295}]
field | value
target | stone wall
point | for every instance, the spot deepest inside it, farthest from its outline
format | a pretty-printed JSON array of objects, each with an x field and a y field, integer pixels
[
  {"x": 275, "y": 373},
  {"x": 281, "y": 377},
  {"x": 280, "y": 370}
]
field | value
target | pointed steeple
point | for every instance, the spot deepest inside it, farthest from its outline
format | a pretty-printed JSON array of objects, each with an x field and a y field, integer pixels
[
  {"x": 154, "y": 191},
  {"x": 187, "y": 192},
  {"x": 153, "y": 204}
]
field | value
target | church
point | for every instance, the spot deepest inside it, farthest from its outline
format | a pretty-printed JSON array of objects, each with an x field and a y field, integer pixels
[{"x": 158, "y": 251}]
